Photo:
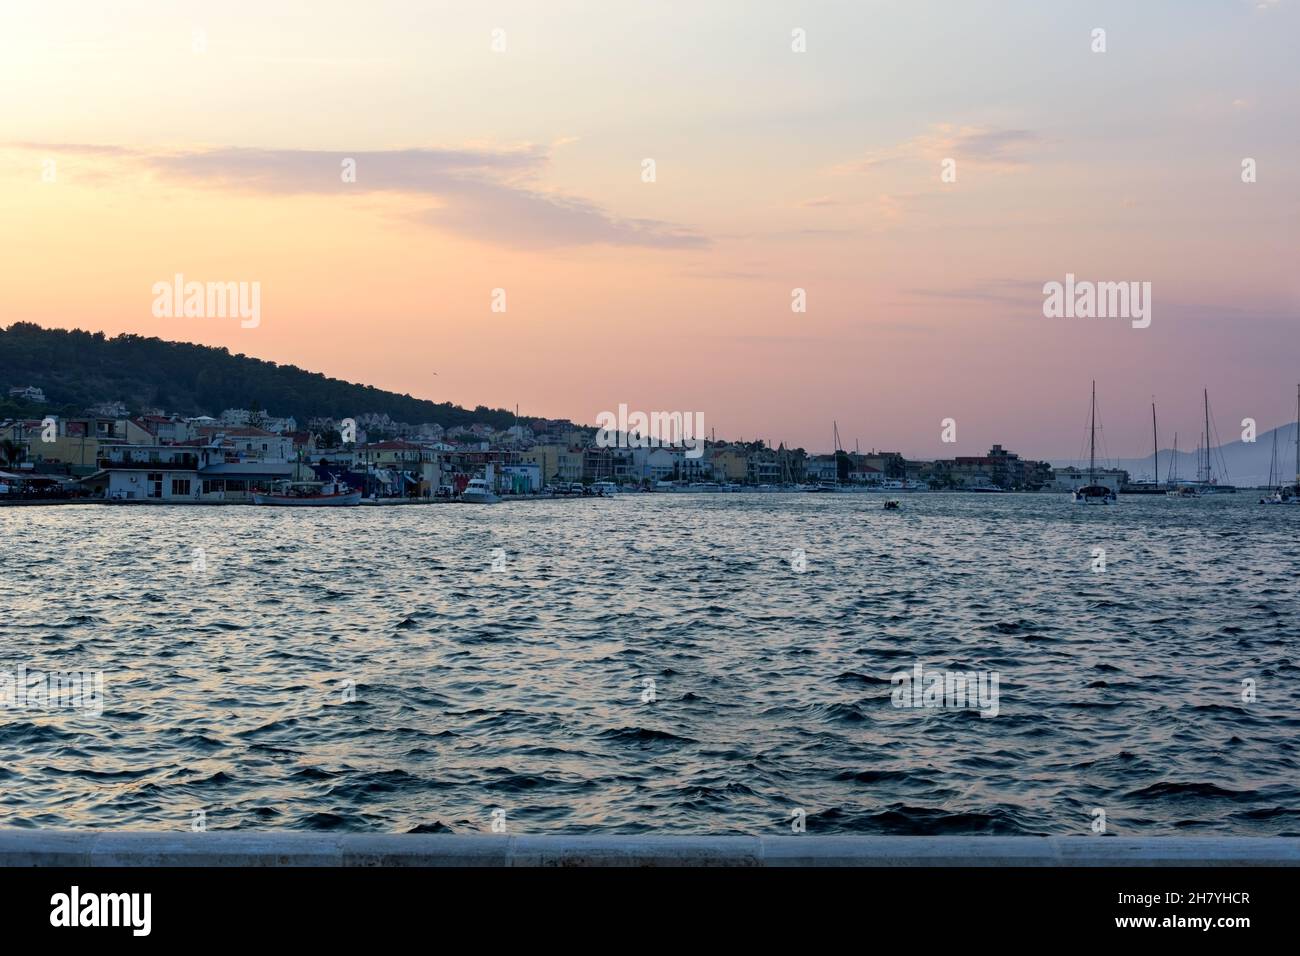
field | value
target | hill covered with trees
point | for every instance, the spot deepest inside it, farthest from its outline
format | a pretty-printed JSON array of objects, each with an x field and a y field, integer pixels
[{"x": 78, "y": 369}]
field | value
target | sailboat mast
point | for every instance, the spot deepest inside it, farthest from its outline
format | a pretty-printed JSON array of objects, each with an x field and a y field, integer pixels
[
  {"x": 1092, "y": 436},
  {"x": 1155, "y": 446},
  {"x": 1272, "y": 465},
  {"x": 1297, "y": 436},
  {"x": 1207, "y": 435},
  {"x": 1173, "y": 463}
]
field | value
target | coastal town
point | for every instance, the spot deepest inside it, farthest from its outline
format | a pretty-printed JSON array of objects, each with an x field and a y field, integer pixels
[{"x": 111, "y": 454}]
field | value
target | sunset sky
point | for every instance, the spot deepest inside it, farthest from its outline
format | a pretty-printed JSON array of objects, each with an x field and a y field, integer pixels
[{"x": 521, "y": 169}]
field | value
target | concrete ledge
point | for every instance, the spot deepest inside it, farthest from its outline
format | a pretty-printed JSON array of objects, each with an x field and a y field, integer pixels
[{"x": 269, "y": 848}]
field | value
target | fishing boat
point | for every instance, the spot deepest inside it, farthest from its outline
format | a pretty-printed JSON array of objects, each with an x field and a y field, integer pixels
[
  {"x": 1093, "y": 493},
  {"x": 310, "y": 494}
]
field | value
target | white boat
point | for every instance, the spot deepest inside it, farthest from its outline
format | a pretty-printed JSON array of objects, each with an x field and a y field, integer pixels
[
  {"x": 478, "y": 492},
  {"x": 895, "y": 485},
  {"x": 823, "y": 487},
  {"x": 1093, "y": 493},
  {"x": 310, "y": 494}
]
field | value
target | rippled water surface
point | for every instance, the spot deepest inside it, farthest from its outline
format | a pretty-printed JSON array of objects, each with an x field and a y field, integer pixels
[{"x": 228, "y": 689}]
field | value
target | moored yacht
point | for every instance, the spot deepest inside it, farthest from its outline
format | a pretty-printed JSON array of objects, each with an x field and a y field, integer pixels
[
  {"x": 478, "y": 492},
  {"x": 1093, "y": 493}
]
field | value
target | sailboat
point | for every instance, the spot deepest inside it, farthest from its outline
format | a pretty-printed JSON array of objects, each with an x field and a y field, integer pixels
[
  {"x": 826, "y": 484},
  {"x": 1206, "y": 482},
  {"x": 1283, "y": 495},
  {"x": 1295, "y": 490},
  {"x": 1152, "y": 487},
  {"x": 1175, "y": 488},
  {"x": 1093, "y": 493}
]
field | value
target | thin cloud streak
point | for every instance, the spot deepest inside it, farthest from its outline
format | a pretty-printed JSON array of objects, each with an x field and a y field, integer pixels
[
  {"x": 984, "y": 146},
  {"x": 483, "y": 194}
]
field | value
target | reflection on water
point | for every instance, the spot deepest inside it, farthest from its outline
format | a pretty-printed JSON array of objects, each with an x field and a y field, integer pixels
[{"x": 367, "y": 669}]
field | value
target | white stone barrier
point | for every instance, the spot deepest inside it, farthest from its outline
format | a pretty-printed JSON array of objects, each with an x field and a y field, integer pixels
[{"x": 271, "y": 848}]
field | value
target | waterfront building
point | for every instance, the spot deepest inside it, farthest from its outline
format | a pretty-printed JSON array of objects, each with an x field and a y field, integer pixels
[
  {"x": 999, "y": 468},
  {"x": 556, "y": 462},
  {"x": 821, "y": 468},
  {"x": 76, "y": 442},
  {"x": 697, "y": 469},
  {"x": 730, "y": 462},
  {"x": 607, "y": 464},
  {"x": 656, "y": 464},
  {"x": 522, "y": 478},
  {"x": 864, "y": 474},
  {"x": 180, "y": 473},
  {"x": 890, "y": 464},
  {"x": 763, "y": 467}
]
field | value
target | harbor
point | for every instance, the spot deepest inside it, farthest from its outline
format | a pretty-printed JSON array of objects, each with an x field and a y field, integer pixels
[{"x": 160, "y": 458}]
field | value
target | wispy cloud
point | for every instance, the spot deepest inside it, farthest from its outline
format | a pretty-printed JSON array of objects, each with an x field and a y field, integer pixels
[
  {"x": 988, "y": 147},
  {"x": 486, "y": 194},
  {"x": 76, "y": 149}
]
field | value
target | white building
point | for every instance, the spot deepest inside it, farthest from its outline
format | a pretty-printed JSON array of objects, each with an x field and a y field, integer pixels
[
  {"x": 657, "y": 464},
  {"x": 520, "y": 479},
  {"x": 180, "y": 474},
  {"x": 27, "y": 393},
  {"x": 254, "y": 443},
  {"x": 821, "y": 468}
]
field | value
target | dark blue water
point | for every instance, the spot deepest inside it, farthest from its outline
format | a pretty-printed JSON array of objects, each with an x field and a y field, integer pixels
[{"x": 366, "y": 669}]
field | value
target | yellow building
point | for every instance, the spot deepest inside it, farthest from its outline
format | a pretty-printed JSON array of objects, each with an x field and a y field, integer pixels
[
  {"x": 555, "y": 462},
  {"x": 730, "y": 464},
  {"x": 75, "y": 441}
]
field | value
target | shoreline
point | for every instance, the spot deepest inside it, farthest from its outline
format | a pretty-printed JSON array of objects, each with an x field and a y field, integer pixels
[{"x": 395, "y": 502}]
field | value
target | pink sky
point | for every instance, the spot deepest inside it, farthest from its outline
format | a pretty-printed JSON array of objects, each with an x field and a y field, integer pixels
[{"x": 209, "y": 143}]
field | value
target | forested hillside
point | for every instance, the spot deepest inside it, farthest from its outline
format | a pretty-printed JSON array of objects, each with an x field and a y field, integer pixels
[{"x": 77, "y": 369}]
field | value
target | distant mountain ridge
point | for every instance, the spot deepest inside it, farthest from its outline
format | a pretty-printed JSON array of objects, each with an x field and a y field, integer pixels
[
  {"x": 78, "y": 369},
  {"x": 1247, "y": 463}
]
